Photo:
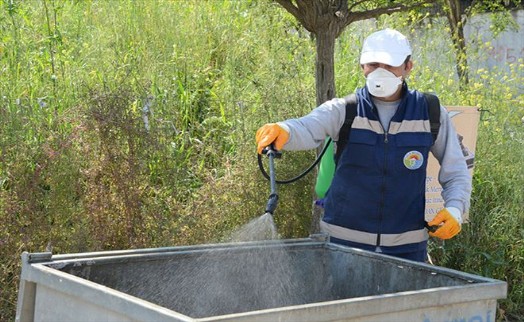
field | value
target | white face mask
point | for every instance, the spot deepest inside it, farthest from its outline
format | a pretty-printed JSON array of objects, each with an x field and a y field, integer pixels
[{"x": 382, "y": 83}]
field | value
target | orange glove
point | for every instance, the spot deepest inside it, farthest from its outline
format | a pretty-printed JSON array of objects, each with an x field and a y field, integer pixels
[
  {"x": 448, "y": 223},
  {"x": 271, "y": 133}
]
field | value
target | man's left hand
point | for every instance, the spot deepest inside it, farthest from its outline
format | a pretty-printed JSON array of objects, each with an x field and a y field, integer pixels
[{"x": 448, "y": 222}]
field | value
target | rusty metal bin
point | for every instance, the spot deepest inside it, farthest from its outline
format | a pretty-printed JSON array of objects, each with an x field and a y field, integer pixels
[{"x": 291, "y": 280}]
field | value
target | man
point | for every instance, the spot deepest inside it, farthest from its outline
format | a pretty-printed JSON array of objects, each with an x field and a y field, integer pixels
[{"x": 376, "y": 200}]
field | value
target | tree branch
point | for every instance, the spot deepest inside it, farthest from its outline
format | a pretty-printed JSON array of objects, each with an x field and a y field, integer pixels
[
  {"x": 373, "y": 13},
  {"x": 288, "y": 5},
  {"x": 356, "y": 4},
  {"x": 297, "y": 12}
]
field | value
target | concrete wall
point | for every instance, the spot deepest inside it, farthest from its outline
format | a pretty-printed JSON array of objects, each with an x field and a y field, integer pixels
[{"x": 504, "y": 51}]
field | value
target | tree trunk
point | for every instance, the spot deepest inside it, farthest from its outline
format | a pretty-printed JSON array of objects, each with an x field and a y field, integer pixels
[
  {"x": 456, "y": 24},
  {"x": 325, "y": 90},
  {"x": 325, "y": 66}
]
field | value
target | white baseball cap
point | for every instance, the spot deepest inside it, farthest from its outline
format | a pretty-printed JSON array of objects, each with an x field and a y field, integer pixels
[{"x": 386, "y": 46}]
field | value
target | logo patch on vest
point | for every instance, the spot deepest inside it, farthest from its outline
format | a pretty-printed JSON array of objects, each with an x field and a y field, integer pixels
[{"x": 413, "y": 160}]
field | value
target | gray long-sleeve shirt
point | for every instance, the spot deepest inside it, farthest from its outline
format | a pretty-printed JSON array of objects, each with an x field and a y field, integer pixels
[{"x": 309, "y": 131}]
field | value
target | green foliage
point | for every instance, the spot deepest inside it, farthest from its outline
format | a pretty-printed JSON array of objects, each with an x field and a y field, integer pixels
[{"x": 127, "y": 124}]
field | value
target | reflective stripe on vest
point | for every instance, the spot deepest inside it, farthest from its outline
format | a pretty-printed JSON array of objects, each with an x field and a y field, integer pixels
[
  {"x": 362, "y": 237},
  {"x": 364, "y": 123}
]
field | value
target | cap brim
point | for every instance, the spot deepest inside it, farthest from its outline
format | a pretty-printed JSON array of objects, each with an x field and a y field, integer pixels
[{"x": 382, "y": 57}]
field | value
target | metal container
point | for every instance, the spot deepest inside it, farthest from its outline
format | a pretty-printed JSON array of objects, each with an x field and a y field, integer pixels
[{"x": 291, "y": 280}]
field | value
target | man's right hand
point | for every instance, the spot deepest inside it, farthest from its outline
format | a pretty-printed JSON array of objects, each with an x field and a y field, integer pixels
[{"x": 271, "y": 133}]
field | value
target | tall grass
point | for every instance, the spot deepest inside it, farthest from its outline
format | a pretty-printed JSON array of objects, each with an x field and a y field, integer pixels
[{"x": 128, "y": 124}]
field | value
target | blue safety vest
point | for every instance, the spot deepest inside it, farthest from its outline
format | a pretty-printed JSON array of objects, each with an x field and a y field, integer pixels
[{"x": 377, "y": 196}]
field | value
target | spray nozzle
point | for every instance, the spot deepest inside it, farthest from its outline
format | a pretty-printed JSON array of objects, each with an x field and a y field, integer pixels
[{"x": 270, "y": 151}]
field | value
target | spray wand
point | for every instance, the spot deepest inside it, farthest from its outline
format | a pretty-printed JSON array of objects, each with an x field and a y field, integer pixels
[{"x": 273, "y": 197}]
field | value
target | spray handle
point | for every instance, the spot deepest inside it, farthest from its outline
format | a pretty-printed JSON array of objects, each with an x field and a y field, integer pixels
[
  {"x": 270, "y": 151},
  {"x": 273, "y": 197}
]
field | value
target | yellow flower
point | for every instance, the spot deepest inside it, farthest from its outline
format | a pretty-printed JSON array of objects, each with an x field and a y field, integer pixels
[{"x": 477, "y": 85}]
